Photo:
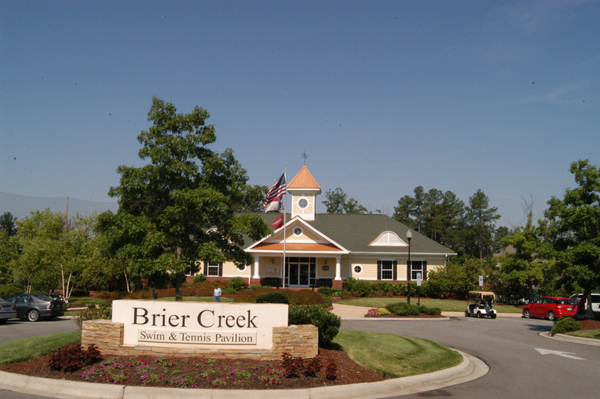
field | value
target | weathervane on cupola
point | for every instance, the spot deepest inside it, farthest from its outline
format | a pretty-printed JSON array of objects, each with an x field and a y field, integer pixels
[{"x": 304, "y": 157}]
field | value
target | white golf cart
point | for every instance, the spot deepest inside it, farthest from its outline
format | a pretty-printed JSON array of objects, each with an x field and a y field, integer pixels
[{"x": 480, "y": 304}]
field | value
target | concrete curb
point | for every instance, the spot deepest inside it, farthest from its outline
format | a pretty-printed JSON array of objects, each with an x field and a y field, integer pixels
[
  {"x": 395, "y": 318},
  {"x": 570, "y": 338},
  {"x": 470, "y": 369}
]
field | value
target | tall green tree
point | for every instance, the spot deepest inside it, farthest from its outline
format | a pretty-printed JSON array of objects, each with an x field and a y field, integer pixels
[
  {"x": 8, "y": 224},
  {"x": 337, "y": 202},
  {"x": 481, "y": 219},
  {"x": 187, "y": 194},
  {"x": 525, "y": 268},
  {"x": 39, "y": 242},
  {"x": 574, "y": 228}
]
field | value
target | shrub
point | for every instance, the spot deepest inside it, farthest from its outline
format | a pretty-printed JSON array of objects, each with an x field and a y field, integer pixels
[
  {"x": 430, "y": 311},
  {"x": 71, "y": 358},
  {"x": 259, "y": 287},
  {"x": 327, "y": 323},
  {"x": 249, "y": 296},
  {"x": 403, "y": 309},
  {"x": 383, "y": 311},
  {"x": 383, "y": 288},
  {"x": 330, "y": 292},
  {"x": 9, "y": 289},
  {"x": 199, "y": 278},
  {"x": 93, "y": 313},
  {"x": 304, "y": 297},
  {"x": 292, "y": 366},
  {"x": 237, "y": 283},
  {"x": 373, "y": 313},
  {"x": 565, "y": 324},
  {"x": 348, "y": 284},
  {"x": 331, "y": 369},
  {"x": 399, "y": 289},
  {"x": 228, "y": 291},
  {"x": 272, "y": 297},
  {"x": 362, "y": 288}
]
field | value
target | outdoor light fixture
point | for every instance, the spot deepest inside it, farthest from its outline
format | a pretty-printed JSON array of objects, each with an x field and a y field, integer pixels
[{"x": 408, "y": 265}]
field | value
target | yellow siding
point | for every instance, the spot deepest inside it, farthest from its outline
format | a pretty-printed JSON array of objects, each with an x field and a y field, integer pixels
[{"x": 328, "y": 263}]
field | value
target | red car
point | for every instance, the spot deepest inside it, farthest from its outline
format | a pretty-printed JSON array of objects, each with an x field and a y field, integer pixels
[{"x": 551, "y": 308}]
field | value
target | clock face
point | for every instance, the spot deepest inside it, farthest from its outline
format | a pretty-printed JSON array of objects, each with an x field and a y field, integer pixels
[
  {"x": 303, "y": 203},
  {"x": 297, "y": 231}
]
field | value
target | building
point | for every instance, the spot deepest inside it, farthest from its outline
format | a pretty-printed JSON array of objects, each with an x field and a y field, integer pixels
[{"x": 323, "y": 249}]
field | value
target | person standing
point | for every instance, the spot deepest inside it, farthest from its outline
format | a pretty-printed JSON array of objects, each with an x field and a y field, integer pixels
[{"x": 217, "y": 293}]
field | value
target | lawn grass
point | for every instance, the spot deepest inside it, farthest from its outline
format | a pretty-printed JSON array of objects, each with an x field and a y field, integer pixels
[
  {"x": 24, "y": 349},
  {"x": 89, "y": 300},
  {"x": 586, "y": 334},
  {"x": 396, "y": 355},
  {"x": 447, "y": 305}
]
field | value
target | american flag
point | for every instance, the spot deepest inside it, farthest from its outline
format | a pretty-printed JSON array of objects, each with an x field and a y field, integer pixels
[{"x": 278, "y": 190}]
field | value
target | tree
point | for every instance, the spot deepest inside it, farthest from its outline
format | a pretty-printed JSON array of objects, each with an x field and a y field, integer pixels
[
  {"x": 524, "y": 269},
  {"x": 8, "y": 224},
  {"x": 481, "y": 224},
  {"x": 337, "y": 202},
  {"x": 186, "y": 195},
  {"x": 574, "y": 229},
  {"x": 39, "y": 242}
]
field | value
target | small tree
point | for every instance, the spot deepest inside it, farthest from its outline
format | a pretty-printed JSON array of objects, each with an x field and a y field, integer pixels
[{"x": 574, "y": 229}]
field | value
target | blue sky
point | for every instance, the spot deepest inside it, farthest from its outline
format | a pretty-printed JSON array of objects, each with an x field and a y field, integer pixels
[{"x": 383, "y": 96}]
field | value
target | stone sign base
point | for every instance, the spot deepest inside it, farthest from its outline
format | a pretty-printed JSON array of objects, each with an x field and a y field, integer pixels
[{"x": 298, "y": 340}]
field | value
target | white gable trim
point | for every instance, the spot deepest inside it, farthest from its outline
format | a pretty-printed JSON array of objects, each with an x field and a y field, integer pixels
[
  {"x": 294, "y": 221},
  {"x": 388, "y": 239}
]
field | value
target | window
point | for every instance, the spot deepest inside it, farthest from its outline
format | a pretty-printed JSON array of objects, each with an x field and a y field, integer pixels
[
  {"x": 387, "y": 270},
  {"x": 418, "y": 266},
  {"x": 358, "y": 269},
  {"x": 241, "y": 267},
  {"x": 213, "y": 269},
  {"x": 298, "y": 231},
  {"x": 303, "y": 203}
]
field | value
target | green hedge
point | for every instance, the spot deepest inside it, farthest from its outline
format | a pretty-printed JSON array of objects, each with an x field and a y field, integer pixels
[
  {"x": 272, "y": 297},
  {"x": 327, "y": 323},
  {"x": 565, "y": 324}
]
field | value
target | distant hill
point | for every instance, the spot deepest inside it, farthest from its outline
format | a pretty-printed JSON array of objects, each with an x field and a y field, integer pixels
[{"x": 21, "y": 206}]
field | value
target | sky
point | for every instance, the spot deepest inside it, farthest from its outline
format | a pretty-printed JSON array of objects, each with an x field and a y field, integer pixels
[{"x": 383, "y": 96}]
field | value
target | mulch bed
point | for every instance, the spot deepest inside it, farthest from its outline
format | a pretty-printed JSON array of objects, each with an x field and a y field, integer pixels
[
  {"x": 590, "y": 324},
  {"x": 208, "y": 374}
]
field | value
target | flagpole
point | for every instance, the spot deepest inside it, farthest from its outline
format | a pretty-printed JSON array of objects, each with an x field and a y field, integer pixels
[{"x": 284, "y": 225}]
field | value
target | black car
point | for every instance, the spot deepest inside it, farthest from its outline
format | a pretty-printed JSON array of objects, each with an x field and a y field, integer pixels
[{"x": 34, "y": 307}]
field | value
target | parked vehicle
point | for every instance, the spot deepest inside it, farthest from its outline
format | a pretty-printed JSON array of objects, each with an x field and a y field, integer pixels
[
  {"x": 34, "y": 307},
  {"x": 480, "y": 304},
  {"x": 583, "y": 306},
  {"x": 7, "y": 311},
  {"x": 550, "y": 307}
]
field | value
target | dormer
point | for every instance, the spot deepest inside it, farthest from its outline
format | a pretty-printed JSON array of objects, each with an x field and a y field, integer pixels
[{"x": 304, "y": 190}]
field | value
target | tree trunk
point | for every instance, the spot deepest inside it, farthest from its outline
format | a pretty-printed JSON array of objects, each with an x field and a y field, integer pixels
[
  {"x": 178, "y": 280},
  {"x": 126, "y": 281}
]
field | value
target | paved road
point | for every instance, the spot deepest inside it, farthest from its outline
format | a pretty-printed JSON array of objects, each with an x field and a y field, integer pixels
[
  {"x": 15, "y": 329},
  {"x": 511, "y": 348}
]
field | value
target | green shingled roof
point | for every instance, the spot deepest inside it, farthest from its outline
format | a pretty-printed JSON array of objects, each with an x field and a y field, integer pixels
[{"x": 355, "y": 232}]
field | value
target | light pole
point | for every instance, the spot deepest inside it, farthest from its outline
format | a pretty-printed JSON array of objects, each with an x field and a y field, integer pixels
[{"x": 408, "y": 265}]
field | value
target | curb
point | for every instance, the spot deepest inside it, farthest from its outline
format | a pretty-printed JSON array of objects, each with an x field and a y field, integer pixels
[
  {"x": 395, "y": 318},
  {"x": 570, "y": 338},
  {"x": 470, "y": 369}
]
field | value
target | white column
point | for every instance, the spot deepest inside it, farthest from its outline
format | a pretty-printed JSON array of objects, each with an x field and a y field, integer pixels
[
  {"x": 338, "y": 268},
  {"x": 256, "y": 259}
]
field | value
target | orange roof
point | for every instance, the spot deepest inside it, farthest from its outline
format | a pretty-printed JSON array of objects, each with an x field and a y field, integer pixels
[
  {"x": 303, "y": 180},
  {"x": 296, "y": 247}
]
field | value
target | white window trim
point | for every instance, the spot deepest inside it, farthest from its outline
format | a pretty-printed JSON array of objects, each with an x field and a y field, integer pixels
[
  {"x": 301, "y": 231},
  {"x": 208, "y": 267},
  {"x": 362, "y": 269},
  {"x": 391, "y": 270},
  {"x": 417, "y": 271}
]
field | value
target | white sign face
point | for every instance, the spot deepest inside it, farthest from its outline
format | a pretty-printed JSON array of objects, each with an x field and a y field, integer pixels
[
  {"x": 182, "y": 324},
  {"x": 480, "y": 281},
  {"x": 418, "y": 279}
]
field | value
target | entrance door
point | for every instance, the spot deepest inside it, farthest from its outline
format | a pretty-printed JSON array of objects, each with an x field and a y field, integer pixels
[{"x": 300, "y": 272}]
